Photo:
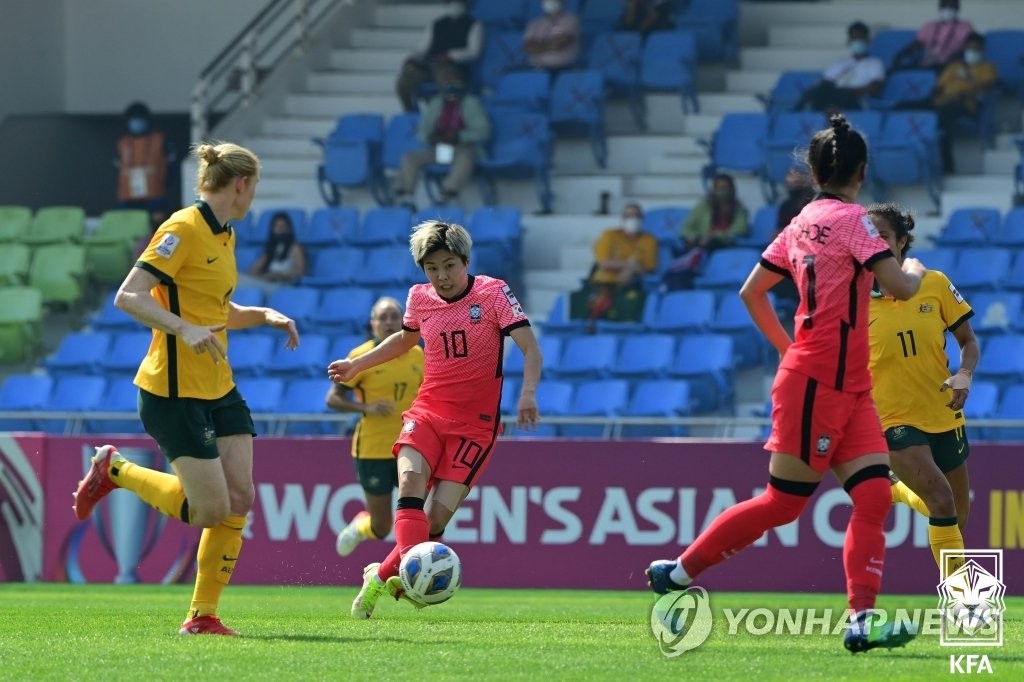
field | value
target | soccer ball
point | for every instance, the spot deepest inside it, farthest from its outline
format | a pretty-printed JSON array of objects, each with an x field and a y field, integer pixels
[{"x": 431, "y": 573}]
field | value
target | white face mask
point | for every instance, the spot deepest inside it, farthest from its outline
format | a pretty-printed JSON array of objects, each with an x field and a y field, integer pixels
[
  {"x": 972, "y": 56},
  {"x": 456, "y": 10},
  {"x": 552, "y": 6},
  {"x": 947, "y": 14},
  {"x": 631, "y": 224},
  {"x": 858, "y": 48}
]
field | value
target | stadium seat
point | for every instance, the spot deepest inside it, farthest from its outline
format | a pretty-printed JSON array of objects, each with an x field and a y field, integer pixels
[
  {"x": 245, "y": 230},
  {"x": 553, "y": 400},
  {"x": 1002, "y": 362},
  {"x": 399, "y": 138},
  {"x": 1015, "y": 278},
  {"x": 683, "y": 311},
  {"x": 996, "y": 312},
  {"x": 121, "y": 396},
  {"x": 79, "y": 353},
  {"x": 56, "y": 225},
  {"x": 727, "y": 269},
  {"x": 625, "y": 327},
  {"x": 646, "y": 356},
  {"x": 762, "y": 228},
  {"x": 21, "y": 313},
  {"x": 500, "y": 14},
  {"x": 109, "y": 249},
  {"x": 14, "y": 222},
  {"x": 298, "y": 303},
  {"x": 15, "y": 261},
  {"x": 953, "y": 352},
  {"x": 732, "y": 318},
  {"x": 246, "y": 257},
  {"x": 352, "y": 158},
  {"x": 597, "y": 18},
  {"x": 943, "y": 260},
  {"x": 1010, "y": 407},
  {"x": 1005, "y": 47},
  {"x": 790, "y": 131},
  {"x": 657, "y": 398},
  {"x": 886, "y": 43},
  {"x": 250, "y": 354},
  {"x": 328, "y": 227},
  {"x": 550, "y": 350},
  {"x": 669, "y": 63},
  {"x": 586, "y": 357},
  {"x": 126, "y": 352},
  {"x": 520, "y": 147},
  {"x": 604, "y": 398},
  {"x": 577, "y": 104},
  {"x": 906, "y": 153},
  {"x": 982, "y": 403},
  {"x": 343, "y": 344},
  {"x": 248, "y": 296},
  {"x": 509, "y": 396},
  {"x": 266, "y": 217},
  {"x": 72, "y": 394},
  {"x": 383, "y": 226},
  {"x": 617, "y": 55},
  {"x": 737, "y": 145},
  {"x": 558, "y": 322},
  {"x": 334, "y": 266},
  {"x": 714, "y": 24},
  {"x": 1011, "y": 232},
  {"x": 493, "y": 260},
  {"x": 706, "y": 360},
  {"x": 974, "y": 226},
  {"x": 307, "y": 397},
  {"x": 450, "y": 213},
  {"x": 981, "y": 269},
  {"x": 788, "y": 90},
  {"x": 58, "y": 271},
  {"x": 867, "y": 123},
  {"x": 521, "y": 90},
  {"x": 666, "y": 223},
  {"x": 391, "y": 266},
  {"x": 109, "y": 317},
  {"x": 502, "y": 53},
  {"x": 501, "y": 226},
  {"x": 310, "y": 359},
  {"x": 343, "y": 311},
  {"x": 263, "y": 396},
  {"x": 904, "y": 88},
  {"x": 23, "y": 392}
]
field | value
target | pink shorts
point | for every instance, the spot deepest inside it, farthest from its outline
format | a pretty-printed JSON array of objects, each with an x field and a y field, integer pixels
[
  {"x": 454, "y": 450},
  {"x": 820, "y": 425}
]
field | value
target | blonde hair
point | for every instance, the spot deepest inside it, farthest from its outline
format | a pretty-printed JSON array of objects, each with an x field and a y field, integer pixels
[
  {"x": 433, "y": 235},
  {"x": 385, "y": 301},
  {"x": 221, "y": 162}
]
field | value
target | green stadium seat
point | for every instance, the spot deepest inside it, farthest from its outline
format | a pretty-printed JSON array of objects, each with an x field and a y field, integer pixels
[
  {"x": 58, "y": 271},
  {"x": 56, "y": 225},
  {"x": 14, "y": 263},
  {"x": 21, "y": 310},
  {"x": 14, "y": 222},
  {"x": 109, "y": 249}
]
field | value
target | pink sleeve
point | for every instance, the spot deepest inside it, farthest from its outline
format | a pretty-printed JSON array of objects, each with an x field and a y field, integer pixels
[
  {"x": 777, "y": 253},
  {"x": 411, "y": 320},
  {"x": 507, "y": 307},
  {"x": 859, "y": 236}
]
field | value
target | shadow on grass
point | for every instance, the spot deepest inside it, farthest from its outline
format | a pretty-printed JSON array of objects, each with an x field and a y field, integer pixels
[{"x": 329, "y": 639}]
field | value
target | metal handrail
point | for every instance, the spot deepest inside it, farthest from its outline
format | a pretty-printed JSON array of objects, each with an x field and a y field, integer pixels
[{"x": 282, "y": 28}]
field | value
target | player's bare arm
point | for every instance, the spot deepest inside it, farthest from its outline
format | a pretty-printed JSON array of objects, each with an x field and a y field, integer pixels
[
  {"x": 134, "y": 298},
  {"x": 960, "y": 383},
  {"x": 754, "y": 293},
  {"x": 899, "y": 282},
  {"x": 390, "y": 348},
  {"x": 533, "y": 361},
  {"x": 245, "y": 317}
]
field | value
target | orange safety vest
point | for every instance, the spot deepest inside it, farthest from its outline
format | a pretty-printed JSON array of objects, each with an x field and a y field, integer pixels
[{"x": 143, "y": 172}]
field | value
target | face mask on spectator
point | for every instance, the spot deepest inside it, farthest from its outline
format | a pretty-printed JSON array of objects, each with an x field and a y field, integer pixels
[
  {"x": 631, "y": 224},
  {"x": 972, "y": 56},
  {"x": 552, "y": 6},
  {"x": 137, "y": 126},
  {"x": 858, "y": 48},
  {"x": 947, "y": 14},
  {"x": 456, "y": 9}
]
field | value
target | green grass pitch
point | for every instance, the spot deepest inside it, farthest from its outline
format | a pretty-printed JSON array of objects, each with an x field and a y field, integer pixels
[{"x": 107, "y": 632}]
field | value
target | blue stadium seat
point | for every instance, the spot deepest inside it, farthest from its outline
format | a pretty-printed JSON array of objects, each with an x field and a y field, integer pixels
[
  {"x": 334, "y": 266},
  {"x": 577, "y": 104},
  {"x": 906, "y": 153},
  {"x": 867, "y": 123},
  {"x": 310, "y": 359},
  {"x": 246, "y": 256},
  {"x": 110, "y": 318},
  {"x": 996, "y": 312},
  {"x": 669, "y": 63},
  {"x": 343, "y": 311},
  {"x": 450, "y": 214},
  {"x": 732, "y": 318},
  {"x": 127, "y": 351},
  {"x": 903, "y": 88},
  {"x": 974, "y": 226},
  {"x": 520, "y": 147},
  {"x": 1002, "y": 362},
  {"x": 296, "y": 213},
  {"x": 383, "y": 226},
  {"x": 263, "y": 396},
  {"x": 502, "y": 53},
  {"x": 707, "y": 360},
  {"x": 500, "y": 14},
  {"x": 683, "y": 311},
  {"x": 604, "y": 398},
  {"x": 492, "y": 260},
  {"x": 1010, "y": 407},
  {"x": 788, "y": 90},
  {"x": 790, "y": 131},
  {"x": 72, "y": 394},
  {"x": 250, "y": 354},
  {"x": 714, "y": 24},
  {"x": 306, "y": 397},
  {"x": 762, "y": 228},
  {"x": 1011, "y": 234},
  {"x": 247, "y": 231},
  {"x": 645, "y": 356},
  {"x": 342, "y": 345},
  {"x": 617, "y": 55},
  {"x": 1015, "y": 278},
  {"x": 329, "y": 226},
  {"x": 587, "y": 357},
  {"x": 597, "y": 18},
  {"x": 399, "y": 138},
  {"x": 666, "y": 223},
  {"x": 1005, "y": 47},
  {"x": 553, "y": 400},
  {"x": 658, "y": 398},
  {"x": 388, "y": 266},
  {"x": 121, "y": 396},
  {"x": 982, "y": 403},
  {"x": 24, "y": 392},
  {"x": 79, "y": 353},
  {"x": 509, "y": 396},
  {"x": 298, "y": 303},
  {"x": 737, "y": 145},
  {"x": 943, "y": 260},
  {"x": 497, "y": 225},
  {"x": 981, "y": 269},
  {"x": 248, "y": 296},
  {"x": 550, "y": 350},
  {"x": 558, "y": 322},
  {"x": 521, "y": 90},
  {"x": 727, "y": 269},
  {"x": 623, "y": 327},
  {"x": 352, "y": 158},
  {"x": 953, "y": 351},
  {"x": 886, "y": 43}
]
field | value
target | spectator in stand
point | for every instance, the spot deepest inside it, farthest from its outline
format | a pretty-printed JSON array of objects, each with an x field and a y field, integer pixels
[
  {"x": 849, "y": 80},
  {"x": 959, "y": 92},
  {"x": 799, "y": 192},
  {"x": 283, "y": 261},
  {"x": 451, "y": 43},
  {"x": 647, "y": 16},
  {"x": 622, "y": 256},
  {"x": 144, "y": 156},
  {"x": 937, "y": 42},
  {"x": 552, "y": 40},
  {"x": 714, "y": 223},
  {"x": 453, "y": 125}
]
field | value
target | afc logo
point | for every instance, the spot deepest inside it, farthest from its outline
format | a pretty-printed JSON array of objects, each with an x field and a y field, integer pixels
[{"x": 475, "y": 313}]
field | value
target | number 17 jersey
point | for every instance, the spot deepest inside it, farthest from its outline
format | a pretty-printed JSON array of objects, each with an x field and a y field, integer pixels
[{"x": 464, "y": 341}]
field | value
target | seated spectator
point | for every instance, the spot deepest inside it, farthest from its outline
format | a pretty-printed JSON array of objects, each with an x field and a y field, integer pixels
[
  {"x": 799, "y": 192},
  {"x": 937, "y": 42},
  {"x": 714, "y": 223},
  {"x": 144, "y": 157},
  {"x": 452, "y": 42},
  {"x": 848, "y": 81},
  {"x": 454, "y": 125},
  {"x": 622, "y": 256},
  {"x": 647, "y": 16},
  {"x": 552, "y": 40},
  {"x": 959, "y": 91},
  {"x": 283, "y": 260}
]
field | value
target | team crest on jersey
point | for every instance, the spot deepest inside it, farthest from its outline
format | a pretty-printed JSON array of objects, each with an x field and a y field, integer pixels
[
  {"x": 925, "y": 308},
  {"x": 408, "y": 426},
  {"x": 475, "y": 313},
  {"x": 209, "y": 435},
  {"x": 509, "y": 296},
  {"x": 956, "y": 294},
  {"x": 167, "y": 245},
  {"x": 824, "y": 443}
]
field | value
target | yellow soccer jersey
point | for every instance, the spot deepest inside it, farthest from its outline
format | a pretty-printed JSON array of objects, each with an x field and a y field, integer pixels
[
  {"x": 194, "y": 258},
  {"x": 397, "y": 381},
  {"x": 908, "y": 357}
]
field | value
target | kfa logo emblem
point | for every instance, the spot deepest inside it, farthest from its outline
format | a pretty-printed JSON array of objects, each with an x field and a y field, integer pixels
[
  {"x": 971, "y": 597},
  {"x": 475, "y": 313},
  {"x": 824, "y": 443}
]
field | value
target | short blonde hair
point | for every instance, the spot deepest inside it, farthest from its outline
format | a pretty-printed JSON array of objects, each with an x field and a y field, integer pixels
[
  {"x": 433, "y": 235},
  {"x": 220, "y": 162},
  {"x": 384, "y": 301}
]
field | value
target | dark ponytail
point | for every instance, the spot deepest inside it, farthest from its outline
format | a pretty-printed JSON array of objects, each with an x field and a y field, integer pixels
[
  {"x": 836, "y": 152},
  {"x": 900, "y": 220}
]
